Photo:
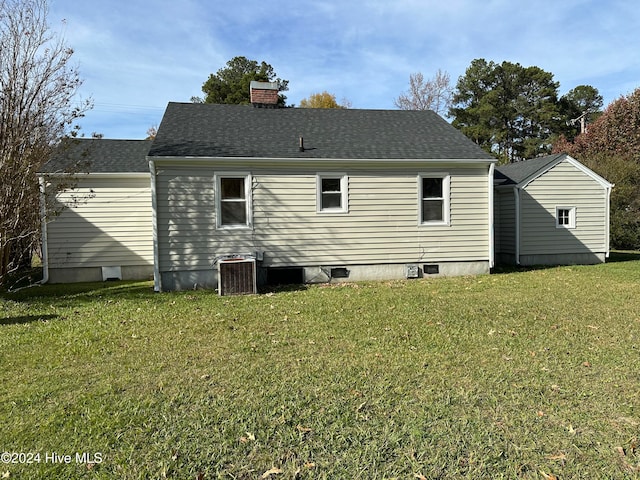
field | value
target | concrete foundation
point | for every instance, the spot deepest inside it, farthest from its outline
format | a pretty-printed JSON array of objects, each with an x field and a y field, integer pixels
[
  {"x": 190, "y": 280},
  {"x": 563, "y": 259},
  {"x": 94, "y": 274},
  {"x": 208, "y": 279}
]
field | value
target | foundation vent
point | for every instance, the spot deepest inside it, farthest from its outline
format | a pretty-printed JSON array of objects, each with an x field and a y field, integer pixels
[
  {"x": 111, "y": 273},
  {"x": 237, "y": 276}
]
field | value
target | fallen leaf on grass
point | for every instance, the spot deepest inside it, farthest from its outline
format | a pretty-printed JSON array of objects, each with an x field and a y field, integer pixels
[
  {"x": 419, "y": 476},
  {"x": 561, "y": 457},
  {"x": 548, "y": 476},
  {"x": 271, "y": 471},
  {"x": 249, "y": 438},
  {"x": 6, "y": 474},
  {"x": 586, "y": 364},
  {"x": 302, "y": 429}
]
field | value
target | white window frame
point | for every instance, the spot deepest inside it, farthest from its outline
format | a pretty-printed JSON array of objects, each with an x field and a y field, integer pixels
[
  {"x": 218, "y": 177},
  {"x": 572, "y": 217},
  {"x": 446, "y": 198},
  {"x": 344, "y": 192}
]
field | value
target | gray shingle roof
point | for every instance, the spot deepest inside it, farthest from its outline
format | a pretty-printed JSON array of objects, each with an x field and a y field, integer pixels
[
  {"x": 206, "y": 130},
  {"x": 99, "y": 156},
  {"x": 517, "y": 172}
]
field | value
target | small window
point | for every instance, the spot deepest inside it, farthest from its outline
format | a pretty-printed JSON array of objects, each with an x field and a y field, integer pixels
[
  {"x": 434, "y": 199},
  {"x": 565, "y": 217},
  {"x": 332, "y": 194},
  {"x": 233, "y": 202}
]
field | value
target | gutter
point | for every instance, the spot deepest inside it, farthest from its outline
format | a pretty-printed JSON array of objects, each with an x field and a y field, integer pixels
[
  {"x": 43, "y": 223},
  {"x": 157, "y": 282}
]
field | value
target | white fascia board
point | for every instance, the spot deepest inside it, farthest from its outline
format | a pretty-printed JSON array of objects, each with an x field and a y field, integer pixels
[
  {"x": 587, "y": 171},
  {"x": 602, "y": 181},
  {"x": 525, "y": 183},
  {"x": 313, "y": 160}
]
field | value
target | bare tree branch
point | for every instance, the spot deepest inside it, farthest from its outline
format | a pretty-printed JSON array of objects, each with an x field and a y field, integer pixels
[
  {"x": 37, "y": 89},
  {"x": 434, "y": 94}
]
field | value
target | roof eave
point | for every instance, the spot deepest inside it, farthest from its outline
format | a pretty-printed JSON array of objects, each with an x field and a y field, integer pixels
[
  {"x": 561, "y": 158},
  {"x": 206, "y": 160}
]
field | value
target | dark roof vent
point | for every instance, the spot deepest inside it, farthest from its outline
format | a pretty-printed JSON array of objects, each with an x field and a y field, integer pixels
[{"x": 264, "y": 94}]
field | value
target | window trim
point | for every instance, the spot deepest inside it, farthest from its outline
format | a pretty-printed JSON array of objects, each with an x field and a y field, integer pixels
[
  {"x": 344, "y": 193},
  {"x": 446, "y": 198},
  {"x": 248, "y": 200},
  {"x": 572, "y": 217}
]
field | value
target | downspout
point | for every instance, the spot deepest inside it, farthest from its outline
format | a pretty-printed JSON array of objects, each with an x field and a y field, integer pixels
[
  {"x": 157, "y": 282},
  {"x": 43, "y": 226},
  {"x": 516, "y": 192},
  {"x": 492, "y": 167}
]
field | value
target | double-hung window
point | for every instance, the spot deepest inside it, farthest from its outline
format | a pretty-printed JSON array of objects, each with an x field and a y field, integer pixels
[
  {"x": 565, "y": 217},
  {"x": 233, "y": 201},
  {"x": 332, "y": 194},
  {"x": 434, "y": 199}
]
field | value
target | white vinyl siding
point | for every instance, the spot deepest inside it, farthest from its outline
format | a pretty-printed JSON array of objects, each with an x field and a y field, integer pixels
[
  {"x": 505, "y": 221},
  {"x": 104, "y": 222},
  {"x": 380, "y": 227},
  {"x": 563, "y": 186}
]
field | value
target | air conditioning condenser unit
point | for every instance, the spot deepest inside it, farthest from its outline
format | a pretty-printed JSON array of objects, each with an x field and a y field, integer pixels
[{"x": 237, "y": 276}]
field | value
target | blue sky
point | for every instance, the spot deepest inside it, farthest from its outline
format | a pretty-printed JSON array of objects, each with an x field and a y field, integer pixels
[{"x": 137, "y": 55}]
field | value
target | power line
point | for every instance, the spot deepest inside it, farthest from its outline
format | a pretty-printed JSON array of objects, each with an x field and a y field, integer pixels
[{"x": 126, "y": 108}]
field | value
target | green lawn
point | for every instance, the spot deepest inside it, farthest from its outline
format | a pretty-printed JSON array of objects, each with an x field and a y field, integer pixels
[{"x": 528, "y": 374}]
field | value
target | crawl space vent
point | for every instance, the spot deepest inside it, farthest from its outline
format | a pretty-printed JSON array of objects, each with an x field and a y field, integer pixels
[
  {"x": 431, "y": 269},
  {"x": 237, "y": 276},
  {"x": 111, "y": 273},
  {"x": 339, "y": 272}
]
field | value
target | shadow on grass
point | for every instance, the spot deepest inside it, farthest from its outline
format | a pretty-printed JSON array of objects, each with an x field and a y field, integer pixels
[
  {"x": 293, "y": 287},
  {"x": 623, "y": 256},
  {"x": 80, "y": 291},
  {"x": 614, "y": 257},
  {"x": 26, "y": 319}
]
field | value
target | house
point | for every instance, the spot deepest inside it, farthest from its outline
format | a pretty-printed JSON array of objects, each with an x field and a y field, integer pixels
[
  {"x": 316, "y": 194},
  {"x": 230, "y": 196},
  {"x": 551, "y": 210},
  {"x": 101, "y": 227}
]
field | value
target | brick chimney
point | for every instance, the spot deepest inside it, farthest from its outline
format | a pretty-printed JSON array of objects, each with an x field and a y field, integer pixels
[{"x": 264, "y": 94}]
